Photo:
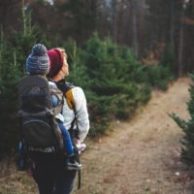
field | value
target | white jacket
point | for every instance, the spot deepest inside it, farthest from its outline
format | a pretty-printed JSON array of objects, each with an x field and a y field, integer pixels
[{"x": 81, "y": 113}]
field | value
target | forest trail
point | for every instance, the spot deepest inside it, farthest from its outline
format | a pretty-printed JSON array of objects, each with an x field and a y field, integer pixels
[{"x": 141, "y": 156}]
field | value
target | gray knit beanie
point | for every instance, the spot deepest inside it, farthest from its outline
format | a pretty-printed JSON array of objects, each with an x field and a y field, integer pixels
[{"x": 38, "y": 61}]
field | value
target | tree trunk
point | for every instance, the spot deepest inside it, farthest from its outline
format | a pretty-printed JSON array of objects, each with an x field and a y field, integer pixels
[
  {"x": 114, "y": 20},
  {"x": 181, "y": 44},
  {"x": 134, "y": 27},
  {"x": 172, "y": 24}
]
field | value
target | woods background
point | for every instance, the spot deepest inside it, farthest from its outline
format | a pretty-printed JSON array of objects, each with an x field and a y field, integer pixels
[{"x": 118, "y": 51}]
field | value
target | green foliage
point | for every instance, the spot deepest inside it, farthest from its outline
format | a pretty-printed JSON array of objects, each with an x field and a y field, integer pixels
[
  {"x": 112, "y": 71},
  {"x": 158, "y": 76},
  {"x": 115, "y": 83},
  {"x": 168, "y": 57},
  {"x": 9, "y": 76},
  {"x": 188, "y": 128},
  {"x": 78, "y": 74},
  {"x": 13, "y": 52}
]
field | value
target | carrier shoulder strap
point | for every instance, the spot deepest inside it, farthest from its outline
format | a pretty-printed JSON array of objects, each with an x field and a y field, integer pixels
[
  {"x": 66, "y": 88},
  {"x": 71, "y": 104},
  {"x": 69, "y": 98}
]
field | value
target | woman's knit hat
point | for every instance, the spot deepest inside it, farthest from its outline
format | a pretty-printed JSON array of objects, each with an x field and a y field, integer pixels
[
  {"x": 38, "y": 61},
  {"x": 58, "y": 64}
]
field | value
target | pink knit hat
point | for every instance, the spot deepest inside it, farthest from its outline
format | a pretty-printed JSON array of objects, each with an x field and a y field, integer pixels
[{"x": 58, "y": 66}]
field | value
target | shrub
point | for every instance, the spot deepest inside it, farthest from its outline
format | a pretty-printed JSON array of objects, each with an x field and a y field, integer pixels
[
  {"x": 114, "y": 91},
  {"x": 13, "y": 52},
  {"x": 188, "y": 128},
  {"x": 158, "y": 76},
  {"x": 115, "y": 83}
]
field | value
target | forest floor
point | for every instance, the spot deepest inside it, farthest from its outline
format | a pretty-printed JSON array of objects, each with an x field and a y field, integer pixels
[{"x": 140, "y": 156}]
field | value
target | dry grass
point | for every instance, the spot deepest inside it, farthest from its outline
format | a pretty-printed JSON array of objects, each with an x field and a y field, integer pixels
[{"x": 141, "y": 156}]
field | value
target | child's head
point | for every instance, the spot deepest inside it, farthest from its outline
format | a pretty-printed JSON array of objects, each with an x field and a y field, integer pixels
[{"x": 38, "y": 61}]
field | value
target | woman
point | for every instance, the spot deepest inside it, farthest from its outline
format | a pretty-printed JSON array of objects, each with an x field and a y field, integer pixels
[{"x": 75, "y": 113}]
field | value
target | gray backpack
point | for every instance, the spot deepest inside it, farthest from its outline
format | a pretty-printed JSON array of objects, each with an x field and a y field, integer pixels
[{"x": 38, "y": 126}]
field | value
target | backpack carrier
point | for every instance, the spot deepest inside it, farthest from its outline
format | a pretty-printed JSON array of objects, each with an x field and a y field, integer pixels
[
  {"x": 39, "y": 129},
  {"x": 38, "y": 126}
]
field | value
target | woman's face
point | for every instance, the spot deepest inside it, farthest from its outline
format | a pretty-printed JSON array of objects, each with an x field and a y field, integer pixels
[
  {"x": 65, "y": 63},
  {"x": 64, "y": 71}
]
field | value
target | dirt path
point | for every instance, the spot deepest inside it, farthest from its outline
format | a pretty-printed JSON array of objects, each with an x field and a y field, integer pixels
[
  {"x": 141, "y": 156},
  {"x": 138, "y": 157}
]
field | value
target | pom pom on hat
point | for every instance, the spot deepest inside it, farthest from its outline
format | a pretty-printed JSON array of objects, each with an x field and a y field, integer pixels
[{"x": 38, "y": 61}]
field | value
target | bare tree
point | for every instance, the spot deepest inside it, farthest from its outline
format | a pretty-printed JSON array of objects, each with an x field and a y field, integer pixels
[{"x": 181, "y": 37}]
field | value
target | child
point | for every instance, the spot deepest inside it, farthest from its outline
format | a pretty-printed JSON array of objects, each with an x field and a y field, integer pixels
[{"x": 71, "y": 162}]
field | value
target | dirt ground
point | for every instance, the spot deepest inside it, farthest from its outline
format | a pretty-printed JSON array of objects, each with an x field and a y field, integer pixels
[{"x": 141, "y": 156}]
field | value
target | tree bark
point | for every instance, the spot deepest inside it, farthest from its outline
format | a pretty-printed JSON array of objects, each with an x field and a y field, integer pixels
[
  {"x": 134, "y": 27},
  {"x": 181, "y": 44}
]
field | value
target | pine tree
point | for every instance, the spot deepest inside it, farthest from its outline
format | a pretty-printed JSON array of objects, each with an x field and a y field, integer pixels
[
  {"x": 187, "y": 126},
  {"x": 13, "y": 50}
]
